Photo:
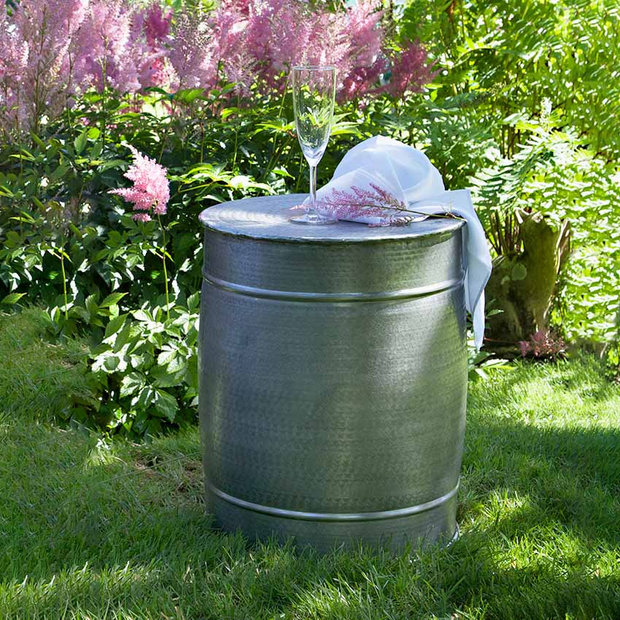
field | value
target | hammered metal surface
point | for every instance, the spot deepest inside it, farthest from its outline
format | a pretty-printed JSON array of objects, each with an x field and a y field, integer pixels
[{"x": 333, "y": 376}]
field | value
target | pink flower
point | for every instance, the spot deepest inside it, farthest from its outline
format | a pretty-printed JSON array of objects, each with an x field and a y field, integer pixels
[
  {"x": 543, "y": 344},
  {"x": 150, "y": 190},
  {"x": 36, "y": 59},
  {"x": 106, "y": 47},
  {"x": 258, "y": 41},
  {"x": 151, "y": 37},
  {"x": 194, "y": 54},
  {"x": 410, "y": 71},
  {"x": 156, "y": 24}
]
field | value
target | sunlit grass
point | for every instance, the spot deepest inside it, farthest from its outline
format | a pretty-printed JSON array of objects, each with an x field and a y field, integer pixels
[{"x": 92, "y": 530}]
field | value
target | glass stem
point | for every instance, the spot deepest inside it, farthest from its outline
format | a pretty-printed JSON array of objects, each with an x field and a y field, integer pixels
[{"x": 312, "y": 209}]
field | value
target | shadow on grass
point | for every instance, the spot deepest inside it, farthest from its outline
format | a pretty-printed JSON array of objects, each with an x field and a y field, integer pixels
[{"x": 89, "y": 532}]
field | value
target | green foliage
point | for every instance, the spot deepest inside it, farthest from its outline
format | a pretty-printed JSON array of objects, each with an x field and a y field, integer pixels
[
  {"x": 554, "y": 174},
  {"x": 67, "y": 242},
  {"x": 505, "y": 57},
  {"x": 535, "y": 85},
  {"x": 147, "y": 368}
]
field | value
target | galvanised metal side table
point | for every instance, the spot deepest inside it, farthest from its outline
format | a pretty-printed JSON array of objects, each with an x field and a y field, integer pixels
[{"x": 333, "y": 376}]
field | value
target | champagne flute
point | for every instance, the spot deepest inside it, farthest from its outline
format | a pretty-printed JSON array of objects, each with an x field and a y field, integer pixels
[{"x": 314, "y": 91}]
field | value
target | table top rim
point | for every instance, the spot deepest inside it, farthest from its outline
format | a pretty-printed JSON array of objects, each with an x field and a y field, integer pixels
[{"x": 280, "y": 229}]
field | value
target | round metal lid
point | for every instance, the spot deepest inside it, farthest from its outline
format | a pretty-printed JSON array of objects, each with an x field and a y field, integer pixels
[{"x": 268, "y": 218}]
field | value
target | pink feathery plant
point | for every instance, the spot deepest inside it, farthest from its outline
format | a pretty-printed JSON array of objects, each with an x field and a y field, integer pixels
[
  {"x": 359, "y": 203},
  {"x": 194, "y": 53},
  {"x": 410, "y": 71},
  {"x": 150, "y": 192},
  {"x": 366, "y": 60},
  {"x": 53, "y": 50},
  {"x": 244, "y": 39},
  {"x": 156, "y": 23},
  {"x": 117, "y": 47},
  {"x": 543, "y": 345},
  {"x": 150, "y": 195},
  {"x": 151, "y": 36},
  {"x": 36, "y": 48}
]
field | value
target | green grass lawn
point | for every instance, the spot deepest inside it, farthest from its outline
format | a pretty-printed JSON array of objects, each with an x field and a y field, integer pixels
[{"x": 95, "y": 530}]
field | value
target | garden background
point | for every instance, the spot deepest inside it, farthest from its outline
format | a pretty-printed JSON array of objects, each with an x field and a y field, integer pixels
[
  {"x": 102, "y": 513},
  {"x": 517, "y": 101}
]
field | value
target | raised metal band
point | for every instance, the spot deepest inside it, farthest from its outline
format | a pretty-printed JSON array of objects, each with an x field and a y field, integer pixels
[
  {"x": 251, "y": 291},
  {"x": 333, "y": 516}
]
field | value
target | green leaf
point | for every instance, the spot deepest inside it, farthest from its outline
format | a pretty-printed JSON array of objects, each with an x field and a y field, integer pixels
[
  {"x": 122, "y": 338},
  {"x": 95, "y": 151},
  {"x": 115, "y": 325},
  {"x": 166, "y": 404},
  {"x": 37, "y": 140},
  {"x": 166, "y": 356},
  {"x": 519, "y": 271},
  {"x": 76, "y": 231},
  {"x": 190, "y": 94},
  {"x": 111, "y": 300},
  {"x": 142, "y": 316},
  {"x": 193, "y": 301},
  {"x": 131, "y": 383},
  {"x": 111, "y": 363},
  {"x": 167, "y": 377},
  {"x": 112, "y": 163},
  {"x": 91, "y": 304},
  {"x": 12, "y": 298},
  {"x": 81, "y": 140},
  {"x": 145, "y": 397}
]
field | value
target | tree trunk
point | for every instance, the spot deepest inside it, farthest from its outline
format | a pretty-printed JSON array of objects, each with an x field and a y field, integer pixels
[{"x": 522, "y": 287}]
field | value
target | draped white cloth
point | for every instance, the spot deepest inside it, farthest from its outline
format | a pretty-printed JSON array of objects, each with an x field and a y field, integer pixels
[{"x": 409, "y": 176}]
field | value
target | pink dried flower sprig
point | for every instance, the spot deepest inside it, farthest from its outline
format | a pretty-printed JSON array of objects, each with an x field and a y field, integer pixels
[
  {"x": 364, "y": 203},
  {"x": 150, "y": 192}
]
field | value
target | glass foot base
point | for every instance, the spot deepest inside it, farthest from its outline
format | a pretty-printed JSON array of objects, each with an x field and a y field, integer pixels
[{"x": 313, "y": 219}]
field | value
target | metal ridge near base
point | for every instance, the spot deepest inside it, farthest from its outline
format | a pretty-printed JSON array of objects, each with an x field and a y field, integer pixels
[{"x": 329, "y": 516}]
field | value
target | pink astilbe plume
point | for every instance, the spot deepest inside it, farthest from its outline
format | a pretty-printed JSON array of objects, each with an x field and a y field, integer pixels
[
  {"x": 194, "y": 52},
  {"x": 156, "y": 24},
  {"x": 365, "y": 56},
  {"x": 13, "y": 62},
  {"x": 37, "y": 57},
  {"x": 113, "y": 48},
  {"x": 123, "y": 46},
  {"x": 150, "y": 39},
  {"x": 150, "y": 192},
  {"x": 365, "y": 203},
  {"x": 52, "y": 51},
  {"x": 410, "y": 71},
  {"x": 258, "y": 41},
  {"x": 238, "y": 61}
]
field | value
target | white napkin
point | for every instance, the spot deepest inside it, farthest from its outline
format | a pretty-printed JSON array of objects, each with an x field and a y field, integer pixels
[{"x": 408, "y": 175}]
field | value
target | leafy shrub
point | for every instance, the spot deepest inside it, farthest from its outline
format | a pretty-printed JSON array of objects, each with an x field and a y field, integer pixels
[
  {"x": 147, "y": 369},
  {"x": 554, "y": 173}
]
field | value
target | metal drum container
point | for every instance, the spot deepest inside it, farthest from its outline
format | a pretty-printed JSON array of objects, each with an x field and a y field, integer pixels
[{"x": 333, "y": 376}]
